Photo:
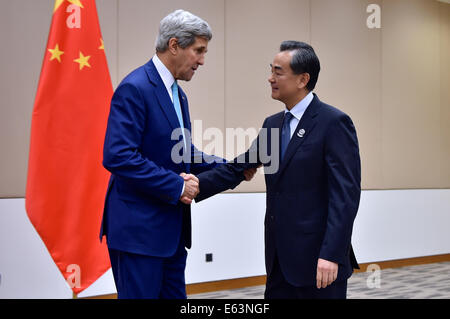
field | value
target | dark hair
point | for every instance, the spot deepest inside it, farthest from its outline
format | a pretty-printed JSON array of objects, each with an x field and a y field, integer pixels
[{"x": 304, "y": 60}]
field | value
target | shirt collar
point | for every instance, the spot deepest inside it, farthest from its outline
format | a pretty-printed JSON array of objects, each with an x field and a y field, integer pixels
[
  {"x": 301, "y": 106},
  {"x": 164, "y": 72}
]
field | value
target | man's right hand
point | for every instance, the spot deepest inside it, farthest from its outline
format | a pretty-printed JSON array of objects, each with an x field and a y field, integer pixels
[{"x": 191, "y": 188}]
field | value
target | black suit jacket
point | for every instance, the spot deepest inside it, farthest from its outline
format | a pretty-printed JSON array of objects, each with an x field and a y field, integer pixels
[{"x": 313, "y": 196}]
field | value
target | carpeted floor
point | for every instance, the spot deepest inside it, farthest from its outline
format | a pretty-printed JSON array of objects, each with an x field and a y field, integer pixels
[{"x": 431, "y": 281}]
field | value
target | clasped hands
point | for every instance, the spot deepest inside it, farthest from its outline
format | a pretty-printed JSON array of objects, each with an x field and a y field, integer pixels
[{"x": 192, "y": 187}]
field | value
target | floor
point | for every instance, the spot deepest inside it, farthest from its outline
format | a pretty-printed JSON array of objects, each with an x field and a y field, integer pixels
[{"x": 431, "y": 281}]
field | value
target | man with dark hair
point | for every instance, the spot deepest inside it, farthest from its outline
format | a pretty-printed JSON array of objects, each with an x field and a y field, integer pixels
[
  {"x": 304, "y": 60},
  {"x": 313, "y": 197}
]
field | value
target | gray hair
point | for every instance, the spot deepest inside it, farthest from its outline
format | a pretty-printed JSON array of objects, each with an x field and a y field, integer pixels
[{"x": 183, "y": 26}]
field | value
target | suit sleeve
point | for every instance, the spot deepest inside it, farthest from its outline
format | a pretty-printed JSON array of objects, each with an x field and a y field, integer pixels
[
  {"x": 121, "y": 151},
  {"x": 219, "y": 179},
  {"x": 344, "y": 188},
  {"x": 228, "y": 175},
  {"x": 202, "y": 162}
]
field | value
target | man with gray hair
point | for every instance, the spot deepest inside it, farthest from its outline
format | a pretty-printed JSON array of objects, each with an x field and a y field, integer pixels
[{"x": 147, "y": 217}]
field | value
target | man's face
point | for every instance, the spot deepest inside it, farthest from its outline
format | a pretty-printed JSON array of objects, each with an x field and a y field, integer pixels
[
  {"x": 190, "y": 58},
  {"x": 285, "y": 84}
]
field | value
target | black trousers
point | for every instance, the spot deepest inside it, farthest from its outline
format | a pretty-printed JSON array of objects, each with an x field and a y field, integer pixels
[{"x": 278, "y": 288}]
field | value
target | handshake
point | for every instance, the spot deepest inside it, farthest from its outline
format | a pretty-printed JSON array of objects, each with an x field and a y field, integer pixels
[{"x": 192, "y": 187}]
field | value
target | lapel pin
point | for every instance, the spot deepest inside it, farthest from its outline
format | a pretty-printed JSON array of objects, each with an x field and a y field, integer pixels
[{"x": 301, "y": 133}]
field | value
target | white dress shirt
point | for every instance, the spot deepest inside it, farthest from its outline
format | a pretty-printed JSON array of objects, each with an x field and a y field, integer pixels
[
  {"x": 168, "y": 81},
  {"x": 298, "y": 110},
  {"x": 165, "y": 75}
]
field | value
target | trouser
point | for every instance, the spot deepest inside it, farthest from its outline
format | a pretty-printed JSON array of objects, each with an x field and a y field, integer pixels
[{"x": 140, "y": 276}]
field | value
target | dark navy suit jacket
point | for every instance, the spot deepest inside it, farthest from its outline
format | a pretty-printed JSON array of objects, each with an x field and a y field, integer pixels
[
  {"x": 143, "y": 214},
  {"x": 312, "y": 199}
]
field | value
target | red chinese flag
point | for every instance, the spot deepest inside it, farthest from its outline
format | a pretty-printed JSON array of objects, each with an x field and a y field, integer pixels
[{"x": 66, "y": 183}]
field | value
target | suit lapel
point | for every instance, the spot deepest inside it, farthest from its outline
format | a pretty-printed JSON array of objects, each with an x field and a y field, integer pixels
[
  {"x": 184, "y": 110},
  {"x": 275, "y": 124},
  {"x": 165, "y": 102},
  {"x": 187, "y": 124},
  {"x": 306, "y": 125}
]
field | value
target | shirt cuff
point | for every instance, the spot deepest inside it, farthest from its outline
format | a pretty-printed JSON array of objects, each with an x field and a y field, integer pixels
[{"x": 182, "y": 190}]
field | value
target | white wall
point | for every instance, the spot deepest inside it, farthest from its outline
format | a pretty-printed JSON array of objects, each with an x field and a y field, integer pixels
[{"x": 391, "y": 224}]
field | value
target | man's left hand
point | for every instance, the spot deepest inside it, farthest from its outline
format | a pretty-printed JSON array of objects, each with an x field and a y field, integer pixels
[{"x": 326, "y": 273}]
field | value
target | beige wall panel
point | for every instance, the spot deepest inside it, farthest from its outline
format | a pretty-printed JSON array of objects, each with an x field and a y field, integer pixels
[
  {"x": 411, "y": 94},
  {"x": 24, "y": 30},
  {"x": 350, "y": 78},
  {"x": 107, "y": 16},
  {"x": 138, "y": 28},
  {"x": 444, "y": 10},
  {"x": 254, "y": 31},
  {"x": 405, "y": 144}
]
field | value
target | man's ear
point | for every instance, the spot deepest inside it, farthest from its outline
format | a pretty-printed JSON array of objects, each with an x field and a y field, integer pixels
[
  {"x": 173, "y": 46},
  {"x": 303, "y": 80}
]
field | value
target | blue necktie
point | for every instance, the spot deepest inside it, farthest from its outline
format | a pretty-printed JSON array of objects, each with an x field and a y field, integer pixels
[
  {"x": 176, "y": 104},
  {"x": 285, "y": 133}
]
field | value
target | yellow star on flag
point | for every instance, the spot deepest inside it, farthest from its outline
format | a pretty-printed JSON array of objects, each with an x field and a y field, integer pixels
[
  {"x": 102, "y": 45},
  {"x": 59, "y": 2},
  {"x": 56, "y": 53},
  {"x": 83, "y": 61},
  {"x": 76, "y": 2}
]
